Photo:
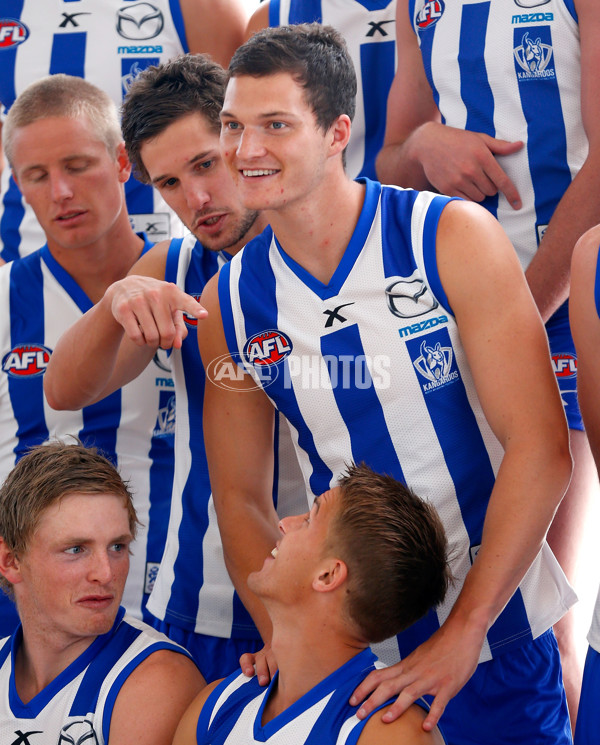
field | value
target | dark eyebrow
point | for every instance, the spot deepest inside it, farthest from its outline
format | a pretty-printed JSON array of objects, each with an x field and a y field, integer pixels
[{"x": 200, "y": 156}]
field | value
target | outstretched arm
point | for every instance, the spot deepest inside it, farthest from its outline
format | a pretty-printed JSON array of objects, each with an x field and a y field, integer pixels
[
  {"x": 421, "y": 152},
  {"x": 114, "y": 341},
  {"x": 498, "y": 323}
]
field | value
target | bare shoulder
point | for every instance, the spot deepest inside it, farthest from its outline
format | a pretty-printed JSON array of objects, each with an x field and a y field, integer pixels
[
  {"x": 153, "y": 263},
  {"x": 154, "y": 698},
  {"x": 585, "y": 253},
  {"x": 406, "y": 730},
  {"x": 258, "y": 20},
  {"x": 186, "y": 731}
]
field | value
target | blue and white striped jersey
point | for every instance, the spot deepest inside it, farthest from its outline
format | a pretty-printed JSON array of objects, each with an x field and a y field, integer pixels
[
  {"x": 77, "y": 706},
  {"x": 373, "y": 370},
  {"x": 134, "y": 427},
  {"x": 512, "y": 72},
  {"x": 232, "y": 714},
  {"x": 107, "y": 42},
  {"x": 193, "y": 589},
  {"x": 369, "y": 29}
]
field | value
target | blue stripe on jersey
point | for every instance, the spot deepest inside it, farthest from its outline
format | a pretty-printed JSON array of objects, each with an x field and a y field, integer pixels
[
  {"x": 68, "y": 54},
  {"x": 357, "y": 401},
  {"x": 475, "y": 89},
  {"x": 546, "y": 136},
  {"x": 306, "y": 11},
  {"x": 429, "y": 250},
  {"x": 26, "y": 283},
  {"x": 111, "y": 698},
  {"x": 570, "y": 6},
  {"x": 274, "y": 13},
  {"x": 139, "y": 197},
  {"x": 426, "y": 37},
  {"x": 66, "y": 280},
  {"x": 12, "y": 217},
  {"x": 455, "y": 424},
  {"x": 416, "y": 634},
  {"x": 502, "y": 636},
  {"x": 380, "y": 57},
  {"x": 396, "y": 247},
  {"x": 107, "y": 649},
  {"x": 5, "y": 650},
  {"x": 100, "y": 420},
  {"x": 256, "y": 261},
  {"x": 10, "y": 9},
  {"x": 351, "y": 254},
  {"x": 179, "y": 24},
  {"x": 172, "y": 262},
  {"x": 597, "y": 285}
]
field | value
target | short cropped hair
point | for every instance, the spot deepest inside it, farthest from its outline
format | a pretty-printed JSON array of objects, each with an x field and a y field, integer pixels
[
  {"x": 160, "y": 95},
  {"x": 317, "y": 58},
  {"x": 63, "y": 95},
  {"x": 395, "y": 548},
  {"x": 45, "y": 475}
]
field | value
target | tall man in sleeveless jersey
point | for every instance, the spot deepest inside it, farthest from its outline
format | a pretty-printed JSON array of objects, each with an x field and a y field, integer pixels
[
  {"x": 367, "y": 543},
  {"x": 368, "y": 26},
  {"x": 107, "y": 42},
  {"x": 585, "y": 321},
  {"x": 78, "y": 669},
  {"x": 171, "y": 124},
  {"x": 72, "y": 170},
  {"x": 374, "y": 321},
  {"x": 495, "y": 102}
]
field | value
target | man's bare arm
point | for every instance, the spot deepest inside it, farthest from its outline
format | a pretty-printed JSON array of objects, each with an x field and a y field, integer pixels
[
  {"x": 238, "y": 433},
  {"x": 585, "y": 326},
  {"x": 153, "y": 699},
  {"x": 214, "y": 27},
  {"x": 498, "y": 323}
]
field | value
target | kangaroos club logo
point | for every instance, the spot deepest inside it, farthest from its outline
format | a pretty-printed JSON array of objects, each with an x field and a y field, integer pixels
[{"x": 26, "y": 360}]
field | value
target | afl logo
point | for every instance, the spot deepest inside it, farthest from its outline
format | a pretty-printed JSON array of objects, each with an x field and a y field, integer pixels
[
  {"x": 267, "y": 348},
  {"x": 430, "y": 13},
  {"x": 565, "y": 365},
  {"x": 12, "y": 33},
  {"x": 140, "y": 21},
  {"x": 190, "y": 320},
  {"x": 26, "y": 361}
]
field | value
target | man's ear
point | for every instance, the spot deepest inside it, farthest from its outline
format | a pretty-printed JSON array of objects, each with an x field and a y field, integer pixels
[
  {"x": 10, "y": 566},
  {"x": 123, "y": 162},
  {"x": 332, "y": 573},
  {"x": 340, "y": 134}
]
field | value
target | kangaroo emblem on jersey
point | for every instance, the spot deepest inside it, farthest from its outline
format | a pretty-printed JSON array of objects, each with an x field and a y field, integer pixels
[
  {"x": 533, "y": 57},
  {"x": 530, "y": 3},
  {"x": 434, "y": 362}
]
